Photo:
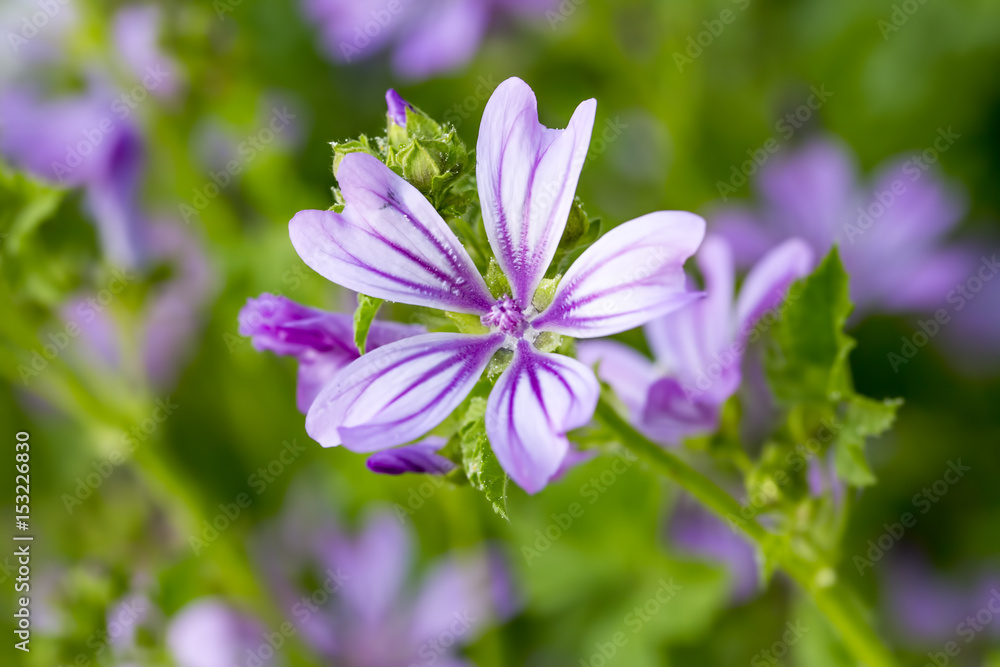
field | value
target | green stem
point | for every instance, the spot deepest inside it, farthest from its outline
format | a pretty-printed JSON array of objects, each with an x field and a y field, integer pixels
[{"x": 834, "y": 599}]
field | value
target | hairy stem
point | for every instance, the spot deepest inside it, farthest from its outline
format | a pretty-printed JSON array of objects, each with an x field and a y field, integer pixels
[{"x": 834, "y": 599}]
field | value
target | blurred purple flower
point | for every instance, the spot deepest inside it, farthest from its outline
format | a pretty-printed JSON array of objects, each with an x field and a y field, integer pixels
[
  {"x": 698, "y": 348},
  {"x": 81, "y": 142},
  {"x": 136, "y": 31},
  {"x": 210, "y": 633},
  {"x": 362, "y": 612},
  {"x": 427, "y": 38},
  {"x": 891, "y": 232},
  {"x": 696, "y": 531},
  {"x": 391, "y": 243},
  {"x": 170, "y": 317}
]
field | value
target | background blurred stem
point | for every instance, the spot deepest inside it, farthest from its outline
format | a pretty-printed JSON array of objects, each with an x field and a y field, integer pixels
[{"x": 837, "y": 602}]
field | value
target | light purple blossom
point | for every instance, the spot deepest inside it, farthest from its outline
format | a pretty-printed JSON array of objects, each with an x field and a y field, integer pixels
[
  {"x": 209, "y": 632},
  {"x": 391, "y": 243},
  {"x": 698, "y": 348},
  {"x": 80, "y": 142},
  {"x": 135, "y": 31},
  {"x": 426, "y": 38},
  {"x": 363, "y": 611},
  {"x": 892, "y": 231}
]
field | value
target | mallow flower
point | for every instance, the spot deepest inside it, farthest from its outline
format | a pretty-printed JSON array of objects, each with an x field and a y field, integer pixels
[
  {"x": 891, "y": 231},
  {"x": 323, "y": 344},
  {"x": 390, "y": 242},
  {"x": 699, "y": 348},
  {"x": 365, "y": 608}
]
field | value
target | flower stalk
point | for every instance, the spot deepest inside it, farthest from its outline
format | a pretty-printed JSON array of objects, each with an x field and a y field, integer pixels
[{"x": 835, "y": 600}]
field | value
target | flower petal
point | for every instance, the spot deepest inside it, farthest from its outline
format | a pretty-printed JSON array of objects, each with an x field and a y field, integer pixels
[
  {"x": 632, "y": 274},
  {"x": 767, "y": 282},
  {"x": 420, "y": 458},
  {"x": 527, "y": 176},
  {"x": 389, "y": 243},
  {"x": 397, "y": 393},
  {"x": 534, "y": 403},
  {"x": 674, "y": 412},
  {"x": 629, "y": 373}
]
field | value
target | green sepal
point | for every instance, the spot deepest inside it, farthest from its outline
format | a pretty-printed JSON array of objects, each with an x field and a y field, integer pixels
[
  {"x": 496, "y": 281},
  {"x": 467, "y": 323},
  {"x": 478, "y": 460},
  {"x": 364, "y": 315}
]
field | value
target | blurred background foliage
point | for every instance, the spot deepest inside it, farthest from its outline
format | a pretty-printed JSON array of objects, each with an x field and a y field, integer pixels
[{"x": 665, "y": 136}]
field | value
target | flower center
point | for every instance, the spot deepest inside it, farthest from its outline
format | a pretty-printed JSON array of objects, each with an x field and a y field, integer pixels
[{"x": 505, "y": 317}]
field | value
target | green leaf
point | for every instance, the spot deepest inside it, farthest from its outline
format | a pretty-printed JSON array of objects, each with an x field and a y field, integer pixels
[
  {"x": 863, "y": 418},
  {"x": 808, "y": 358},
  {"x": 363, "y": 316},
  {"x": 24, "y": 205},
  {"x": 478, "y": 461}
]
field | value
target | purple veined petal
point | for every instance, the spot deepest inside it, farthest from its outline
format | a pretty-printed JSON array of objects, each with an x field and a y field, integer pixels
[
  {"x": 715, "y": 259},
  {"x": 527, "y": 176},
  {"x": 389, "y": 243},
  {"x": 209, "y": 633},
  {"x": 398, "y": 392},
  {"x": 322, "y": 342},
  {"x": 629, "y": 373},
  {"x": 421, "y": 457},
  {"x": 767, "y": 283},
  {"x": 631, "y": 275},
  {"x": 534, "y": 403},
  {"x": 674, "y": 411},
  {"x": 441, "y": 38},
  {"x": 396, "y": 107},
  {"x": 463, "y": 596}
]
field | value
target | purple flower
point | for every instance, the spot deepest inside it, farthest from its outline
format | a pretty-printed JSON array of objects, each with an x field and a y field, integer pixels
[
  {"x": 80, "y": 142},
  {"x": 364, "y": 613},
  {"x": 322, "y": 342},
  {"x": 698, "y": 348},
  {"x": 421, "y": 457},
  {"x": 427, "y": 38},
  {"x": 209, "y": 633},
  {"x": 891, "y": 232},
  {"x": 391, "y": 243}
]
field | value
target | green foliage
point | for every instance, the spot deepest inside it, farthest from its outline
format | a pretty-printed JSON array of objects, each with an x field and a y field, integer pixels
[
  {"x": 364, "y": 315},
  {"x": 478, "y": 461}
]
